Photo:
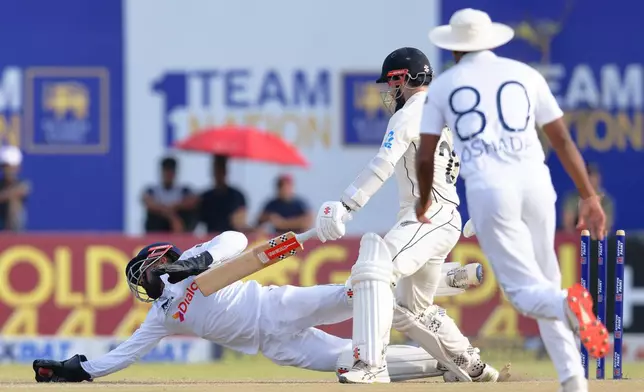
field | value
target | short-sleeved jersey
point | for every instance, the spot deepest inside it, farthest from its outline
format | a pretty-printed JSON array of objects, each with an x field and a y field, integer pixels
[
  {"x": 399, "y": 148},
  {"x": 493, "y": 106}
]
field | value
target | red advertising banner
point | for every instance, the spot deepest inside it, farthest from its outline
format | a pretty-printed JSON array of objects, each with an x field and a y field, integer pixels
[{"x": 74, "y": 285}]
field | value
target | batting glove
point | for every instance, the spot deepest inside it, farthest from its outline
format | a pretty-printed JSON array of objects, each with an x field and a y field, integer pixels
[{"x": 329, "y": 223}]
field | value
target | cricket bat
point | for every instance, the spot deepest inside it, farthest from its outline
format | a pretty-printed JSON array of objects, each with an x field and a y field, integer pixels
[{"x": 251, "y": 261}]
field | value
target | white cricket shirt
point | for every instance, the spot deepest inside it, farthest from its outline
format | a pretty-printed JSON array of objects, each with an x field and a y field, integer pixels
[
  {"x": 228, "y": 317},
  {"x": 493, "y": 105},
  {"x": 399, "y": 148}
]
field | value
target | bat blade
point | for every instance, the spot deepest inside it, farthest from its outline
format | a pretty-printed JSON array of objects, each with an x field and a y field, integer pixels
[{"x": 247, "y": 263}]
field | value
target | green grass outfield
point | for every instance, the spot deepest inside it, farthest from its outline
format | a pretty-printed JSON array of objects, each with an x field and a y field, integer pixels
[{"x": 257, "y": 374}]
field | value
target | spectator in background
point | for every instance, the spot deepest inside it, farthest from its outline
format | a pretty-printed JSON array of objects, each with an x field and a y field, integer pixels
[
  {"x": 170, "y": 208},
  {"x": 286, "y": 212},
  {"x": 570, "y": 209},
  {"x": 223, "y": 207},
  {"x": 13, "y": 191}
]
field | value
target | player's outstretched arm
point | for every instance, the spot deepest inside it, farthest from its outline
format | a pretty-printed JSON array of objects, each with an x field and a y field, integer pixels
[
  {"x": 69, "y": 370},
  {"x": 78, "y": 368},
  {"x": 394, "y": 145},
  {"x": 221, "y": 247},
  {"x": 569, "y": 155},
  {"x": 202, "y": 256},
  {"x": 331, "y": 217},
  {"x": 591, "y": 214},
  {"x": 549, "y": 116}
]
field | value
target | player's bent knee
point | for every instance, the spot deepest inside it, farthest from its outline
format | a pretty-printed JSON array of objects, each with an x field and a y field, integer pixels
[
  {"x": 518, "y": 302},
  {"x": 374, "y": 261},
  {"x": 404, "y": 319},
  {"x": 373, "y": 247},
  {"x": 432, "y": 318},
  {"x": 437, "y": 333},
  {"x": 371, "y": 273}
]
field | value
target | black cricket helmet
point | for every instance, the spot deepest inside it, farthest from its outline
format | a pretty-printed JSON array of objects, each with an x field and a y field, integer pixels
[
  {"x": 403, "y": 68},
  {"x": 140, "y": 285}
]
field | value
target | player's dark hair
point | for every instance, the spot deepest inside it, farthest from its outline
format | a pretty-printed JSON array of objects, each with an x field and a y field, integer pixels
[
  {"x": 169, "y": 163},
  {"x": 220, "y": 162},
  {"x": 281, "y": 180}
]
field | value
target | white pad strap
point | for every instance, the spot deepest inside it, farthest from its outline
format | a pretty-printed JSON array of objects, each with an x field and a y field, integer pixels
[
  {"x": 403, "y": 363},
  {"x": 438, "y": 335},
  {"x": 348, "y": 290},
  {"x": 373, "y": 300},
  {"x": 369, "y": 181},
  {"x": 454, "y": 280}
]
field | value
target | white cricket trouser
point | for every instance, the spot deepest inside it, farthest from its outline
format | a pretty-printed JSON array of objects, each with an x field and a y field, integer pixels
[
  {"x": 288, "y": 315},
  {"x": 516, "y": 230},
  {"x": 418, "y": 252}
]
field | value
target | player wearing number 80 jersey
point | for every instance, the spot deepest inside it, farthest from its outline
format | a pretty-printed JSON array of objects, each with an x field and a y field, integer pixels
[{"x": 493, "y": 105}]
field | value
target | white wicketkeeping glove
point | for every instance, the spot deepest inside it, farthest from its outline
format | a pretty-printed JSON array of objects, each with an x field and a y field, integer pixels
[
  {"x": 468, "y": 229},
  {"x": 330, "y": 221}
]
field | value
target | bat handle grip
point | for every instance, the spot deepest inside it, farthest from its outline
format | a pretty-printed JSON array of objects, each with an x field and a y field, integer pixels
[{"x": 307, "y": 235}]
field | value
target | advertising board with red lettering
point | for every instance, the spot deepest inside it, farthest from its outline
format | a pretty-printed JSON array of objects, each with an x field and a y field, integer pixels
[{"x": 74, "y": 285}]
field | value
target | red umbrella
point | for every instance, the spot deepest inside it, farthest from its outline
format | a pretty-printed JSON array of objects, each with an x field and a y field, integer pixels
[{"x": 244, "y": 142}]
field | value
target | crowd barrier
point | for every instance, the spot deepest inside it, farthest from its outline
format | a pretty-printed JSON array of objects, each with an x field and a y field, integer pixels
[{"x": 60, "y": 293}]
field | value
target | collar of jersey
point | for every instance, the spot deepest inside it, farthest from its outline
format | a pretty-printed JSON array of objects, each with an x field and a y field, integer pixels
[
  {"x": 476, "y": 56},
  {"x": 415, "y": 97}
]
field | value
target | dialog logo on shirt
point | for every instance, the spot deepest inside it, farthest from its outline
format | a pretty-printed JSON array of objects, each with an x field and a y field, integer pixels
[
  {"x": 185, "y": 302},
  {"x": 166, "y": 305}
]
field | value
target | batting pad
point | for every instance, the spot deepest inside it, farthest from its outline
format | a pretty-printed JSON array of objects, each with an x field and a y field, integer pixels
[
  {"x": 409, "y": 363},
  {"x": 438, "y": 335},
  {"x": 403, "y": 363},
  {"x": 373, "y": 300}
]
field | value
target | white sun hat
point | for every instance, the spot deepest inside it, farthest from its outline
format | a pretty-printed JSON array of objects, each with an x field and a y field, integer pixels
[
  {"x": 10, "y": 155},
  {"x": 470, "y": 30}
]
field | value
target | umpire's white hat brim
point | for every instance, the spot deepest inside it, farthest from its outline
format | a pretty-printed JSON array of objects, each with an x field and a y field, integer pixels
[
  {"x": 470, "y": 30},
  {"x": 488, "y": 37}
]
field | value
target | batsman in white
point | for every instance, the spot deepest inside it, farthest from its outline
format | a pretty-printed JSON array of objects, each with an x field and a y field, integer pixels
[
  {"x": 493, "y": 106},
  {"x": 245, "y": 317},
  {"x": 411, "y": 254}
]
